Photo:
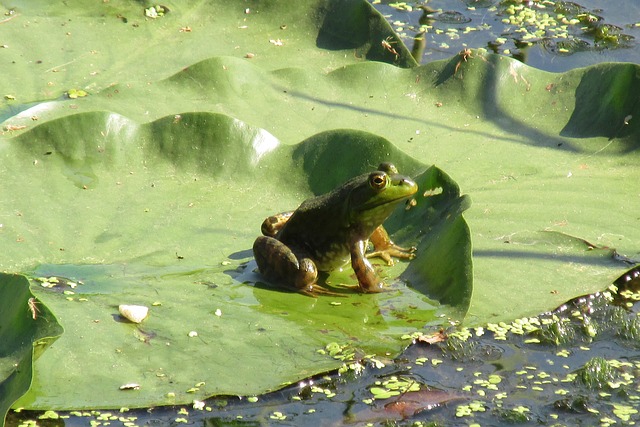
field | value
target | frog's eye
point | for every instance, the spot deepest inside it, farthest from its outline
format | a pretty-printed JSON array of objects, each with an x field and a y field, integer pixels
[{"x": 378, "y": 180}]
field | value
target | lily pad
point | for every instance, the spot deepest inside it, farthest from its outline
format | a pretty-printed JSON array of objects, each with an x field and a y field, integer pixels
[{"x": 164, "y": 215}]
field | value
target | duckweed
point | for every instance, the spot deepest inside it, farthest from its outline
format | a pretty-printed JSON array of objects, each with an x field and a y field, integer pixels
[
  {"x": 393, "y": 386},
  {"x": 278, "y": 416},
  {"x": 49, "y": 415},
  {"x": 338, "y": 351},
  {"x": 624, "y": 412}
]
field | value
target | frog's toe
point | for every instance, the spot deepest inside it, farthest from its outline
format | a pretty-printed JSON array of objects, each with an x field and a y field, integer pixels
[
  {"x": 384, "y": 254},
  {"x": 315, "y": 290},
  {"x": 393, "y": 251},
  {"x": 375, "y": 289}
]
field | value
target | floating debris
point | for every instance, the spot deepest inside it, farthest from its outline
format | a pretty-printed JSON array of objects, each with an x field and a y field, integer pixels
[{"x": 130, "y": 386}]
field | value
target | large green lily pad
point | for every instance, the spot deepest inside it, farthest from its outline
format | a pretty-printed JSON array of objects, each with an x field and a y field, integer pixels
[
  {"x": 165, "y": 213},
  {"x": 548, "y": 159}
]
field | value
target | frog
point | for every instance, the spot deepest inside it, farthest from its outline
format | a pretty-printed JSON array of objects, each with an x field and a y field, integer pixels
[{"x": 327, "y": 232}]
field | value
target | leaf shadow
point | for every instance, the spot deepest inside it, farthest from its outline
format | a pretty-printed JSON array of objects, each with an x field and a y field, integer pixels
[
  {"x": 491, "y": 75},
  {"x": 606, "y": 100}
]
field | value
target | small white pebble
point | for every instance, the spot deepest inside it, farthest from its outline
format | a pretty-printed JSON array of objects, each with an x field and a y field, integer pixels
[{"x": 133, "y": 313}]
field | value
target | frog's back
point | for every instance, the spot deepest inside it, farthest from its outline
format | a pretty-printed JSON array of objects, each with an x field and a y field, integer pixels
[{"x": 320, "y": 230}]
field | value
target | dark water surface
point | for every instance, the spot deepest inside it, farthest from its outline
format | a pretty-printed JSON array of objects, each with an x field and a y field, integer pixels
[{"x": 605, "y": 31}]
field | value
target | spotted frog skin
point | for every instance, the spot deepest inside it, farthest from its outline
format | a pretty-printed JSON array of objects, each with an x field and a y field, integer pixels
[{"x": 328, "y": 231}]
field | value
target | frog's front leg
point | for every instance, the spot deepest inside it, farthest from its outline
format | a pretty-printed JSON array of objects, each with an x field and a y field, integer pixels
[
  {"x": 274, "y": 223},
  {"x": 368, "y": 280},
  {"x": 279, "y": 264},
  {"x": 384, "y": 248}
]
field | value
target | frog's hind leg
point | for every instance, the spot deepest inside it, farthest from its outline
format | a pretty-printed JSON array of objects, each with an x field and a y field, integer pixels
[
  {"x": 278, "y": 263},
  {"x": 273, "y": 224}
]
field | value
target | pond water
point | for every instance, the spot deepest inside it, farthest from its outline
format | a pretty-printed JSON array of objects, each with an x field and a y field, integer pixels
[{"x": 550, "y": 35}]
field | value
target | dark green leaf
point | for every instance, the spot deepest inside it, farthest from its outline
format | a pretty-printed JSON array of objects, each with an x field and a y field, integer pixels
[{"x": 27, "y": 328}]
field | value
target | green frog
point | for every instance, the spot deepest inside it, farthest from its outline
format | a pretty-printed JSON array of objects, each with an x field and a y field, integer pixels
[{"x": 328, "y": 231}]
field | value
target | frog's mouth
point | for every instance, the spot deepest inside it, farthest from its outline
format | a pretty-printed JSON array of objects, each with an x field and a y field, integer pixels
[{"x": 370, "y": 206}]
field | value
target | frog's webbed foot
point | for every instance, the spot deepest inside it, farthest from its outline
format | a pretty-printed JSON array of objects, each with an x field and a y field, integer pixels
[
  {"x": 394, "y": 251},
  {"x": 384, "y": 248},
  {"x": 314, "y": 290}
]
